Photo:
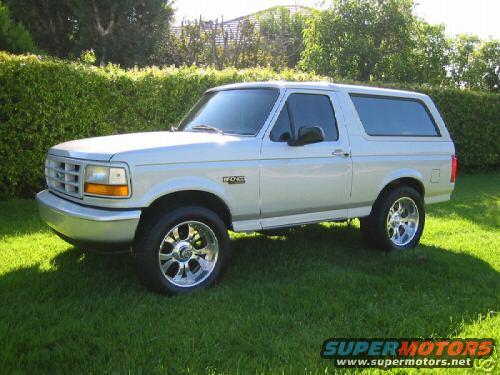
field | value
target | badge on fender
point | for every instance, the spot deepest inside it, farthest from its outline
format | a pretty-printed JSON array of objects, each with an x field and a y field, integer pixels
[{"x": 233, "y": 180}]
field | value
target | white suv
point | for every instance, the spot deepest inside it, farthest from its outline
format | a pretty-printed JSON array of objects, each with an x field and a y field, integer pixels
[{"x": 252, "y": 157}]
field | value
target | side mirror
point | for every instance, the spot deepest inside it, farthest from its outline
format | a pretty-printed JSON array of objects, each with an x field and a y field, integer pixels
[{"x": 308, "y": 135}]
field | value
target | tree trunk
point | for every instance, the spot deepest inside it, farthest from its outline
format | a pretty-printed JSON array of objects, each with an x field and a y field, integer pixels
[
  {"x": 102, "y": 32},
  {"x": 102, "y": 62},
  {"x": 365, "y": 69}
]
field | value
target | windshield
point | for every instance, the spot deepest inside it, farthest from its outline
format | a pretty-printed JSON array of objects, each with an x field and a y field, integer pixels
[{"x": 242, "y": 111}]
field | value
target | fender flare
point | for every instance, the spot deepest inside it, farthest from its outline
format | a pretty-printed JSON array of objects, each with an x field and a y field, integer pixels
[
  {"x": 399, "y": 174},
  {"x": 186, "y": 183}
]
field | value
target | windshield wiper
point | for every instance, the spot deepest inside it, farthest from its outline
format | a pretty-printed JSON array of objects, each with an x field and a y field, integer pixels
[{"x": 208, "y": 127}]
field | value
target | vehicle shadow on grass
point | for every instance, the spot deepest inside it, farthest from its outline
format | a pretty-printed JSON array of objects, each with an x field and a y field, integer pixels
[{"x": 322, "y": 270}]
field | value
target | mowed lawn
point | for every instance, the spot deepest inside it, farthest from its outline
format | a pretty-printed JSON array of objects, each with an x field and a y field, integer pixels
[{"x": 62, "y": 310}]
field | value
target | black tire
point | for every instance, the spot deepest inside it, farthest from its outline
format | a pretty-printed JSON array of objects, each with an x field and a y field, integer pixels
[
  {"x": 151, "y": 235},
  {"x": 374, "y": 227}
]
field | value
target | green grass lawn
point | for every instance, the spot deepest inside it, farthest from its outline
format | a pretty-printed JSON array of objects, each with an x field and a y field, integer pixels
[{"x": 62, "y": 310}]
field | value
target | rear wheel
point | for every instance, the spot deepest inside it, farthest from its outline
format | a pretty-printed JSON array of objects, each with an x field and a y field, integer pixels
[
  {"x": 397, "y": 220},
  {"x": 182, "y": 251}
]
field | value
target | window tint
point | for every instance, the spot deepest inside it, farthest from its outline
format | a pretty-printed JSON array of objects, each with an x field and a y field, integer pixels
[
  {"x": 306, "y": 110},
  {"x": 398, "y": 116},
  {"x": 313, "y": 110},
  {"x": 281, "y": 130},
  {"x": 232, "y": 111}
]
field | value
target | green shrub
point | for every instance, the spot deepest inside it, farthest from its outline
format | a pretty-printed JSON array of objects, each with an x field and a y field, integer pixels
[
  {"x": 473, "y": 120},
  {"x": 46, "y": 101},
  {"x": 14, "y": 37}
]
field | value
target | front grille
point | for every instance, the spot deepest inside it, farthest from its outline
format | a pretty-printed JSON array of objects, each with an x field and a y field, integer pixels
[{"x": 64, "y": 175}]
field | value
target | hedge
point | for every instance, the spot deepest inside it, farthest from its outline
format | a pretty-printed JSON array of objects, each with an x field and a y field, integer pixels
[{"x": 47, "y": 101}]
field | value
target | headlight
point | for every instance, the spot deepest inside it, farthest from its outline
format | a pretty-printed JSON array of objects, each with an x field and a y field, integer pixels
[{"x": 102, "y": 180}]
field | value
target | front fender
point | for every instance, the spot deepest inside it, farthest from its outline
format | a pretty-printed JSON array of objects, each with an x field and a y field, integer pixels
[{"x": 184, "y": 183}]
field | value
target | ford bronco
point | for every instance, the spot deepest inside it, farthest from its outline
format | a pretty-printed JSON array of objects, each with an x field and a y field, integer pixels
[{"x": 252, "y": 157}]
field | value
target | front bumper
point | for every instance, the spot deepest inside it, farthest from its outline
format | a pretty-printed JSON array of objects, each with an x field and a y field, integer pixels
[{"x": 87, "y": 224}]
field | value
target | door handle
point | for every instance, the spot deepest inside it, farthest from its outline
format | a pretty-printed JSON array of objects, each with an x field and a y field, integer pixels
[{"x": 343, "y": 153}]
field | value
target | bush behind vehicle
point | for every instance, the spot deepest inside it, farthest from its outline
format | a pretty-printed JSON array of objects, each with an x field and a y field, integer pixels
[{"x": 47, "y": 101}]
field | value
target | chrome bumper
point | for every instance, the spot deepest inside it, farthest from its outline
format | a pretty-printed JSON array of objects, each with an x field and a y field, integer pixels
[{"x": 81, "y": 223}]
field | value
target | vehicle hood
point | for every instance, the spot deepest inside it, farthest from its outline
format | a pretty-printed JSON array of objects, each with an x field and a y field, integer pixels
[{"x": 111, "y": 147}]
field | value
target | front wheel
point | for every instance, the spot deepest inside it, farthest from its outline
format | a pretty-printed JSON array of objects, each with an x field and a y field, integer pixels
[
  {"x": 182, "y": 251},
  {"x": 397, "y": 220}
]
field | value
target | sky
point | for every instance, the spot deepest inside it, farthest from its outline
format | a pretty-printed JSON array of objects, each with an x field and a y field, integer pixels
[{"x": 479, "y": 17}]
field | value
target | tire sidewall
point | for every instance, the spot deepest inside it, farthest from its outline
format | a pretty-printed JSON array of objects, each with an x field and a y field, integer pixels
[
  {"x": 383, "y": 211},
  {"x": 146, "y": 251}
]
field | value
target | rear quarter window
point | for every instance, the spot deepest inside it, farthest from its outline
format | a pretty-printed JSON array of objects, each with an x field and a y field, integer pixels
[{"x": 392, "y": 116}]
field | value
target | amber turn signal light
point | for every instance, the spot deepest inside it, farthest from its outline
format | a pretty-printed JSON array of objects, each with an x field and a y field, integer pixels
[{"x": 109, "y": 190}]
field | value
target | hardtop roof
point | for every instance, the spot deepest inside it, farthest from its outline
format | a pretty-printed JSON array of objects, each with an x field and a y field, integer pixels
[{"x": 321, "y": 85}]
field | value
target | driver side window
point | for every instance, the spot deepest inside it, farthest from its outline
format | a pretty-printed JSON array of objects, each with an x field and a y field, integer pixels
[
  {"x": 305, "y": 110},
  {"x": 282, "y": 130}
]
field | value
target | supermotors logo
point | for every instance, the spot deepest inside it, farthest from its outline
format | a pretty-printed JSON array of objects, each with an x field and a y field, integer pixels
[{"x": 387, "y": 353}]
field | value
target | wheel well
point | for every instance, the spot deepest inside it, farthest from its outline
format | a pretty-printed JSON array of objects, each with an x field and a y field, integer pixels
[
  {"x": 405, "y": 181},
  {"x": 190, "y": 197}
]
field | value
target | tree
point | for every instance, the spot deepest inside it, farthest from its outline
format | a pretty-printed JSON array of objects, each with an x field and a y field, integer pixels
[
  {"x": 352, "y": 37},
  {"x": 462, "y": 56},
  {"x": 208, "y": 43},
  {"x": 429, "y": 57},
  {"x": 424, "y": 60},
  {"x": 272, "y": 38},
  {"x": 281, "y": 36},
  {"x": 125, "y": 32},
  {"x": 52, "y": 23},
  {"x": 13, "y": 37},
  {"x": 122, "y": 31},
  {"x": 187, "y": 47},
  {"x": 475, "y": 64},
  {"x": 489, "y": 64}
]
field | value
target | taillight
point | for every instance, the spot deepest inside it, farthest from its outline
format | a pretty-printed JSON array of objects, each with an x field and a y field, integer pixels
[{"x": 454, "y": 166}]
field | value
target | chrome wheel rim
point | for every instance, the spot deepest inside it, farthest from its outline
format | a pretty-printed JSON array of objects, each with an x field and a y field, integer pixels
[
  {"x": 188, "y": 254},
  {"x": 402, "y": 221}
]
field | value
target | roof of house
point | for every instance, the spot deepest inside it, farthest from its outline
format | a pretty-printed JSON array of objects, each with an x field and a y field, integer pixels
[{"x": 293, "y": 9}]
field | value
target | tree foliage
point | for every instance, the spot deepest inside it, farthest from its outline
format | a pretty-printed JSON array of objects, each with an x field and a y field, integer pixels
[
  {"x": 423, "y": 60},
  {"x": 383, "y": 40},
  {"x": 124, "y": 32},
  {"x": 13, "y": 37},
  {"x": 52, "y": 23},
  {"x": 204, "y": 43},
  {"x": 273, "y": 38},
  {"x": 281, "y": 35},
  {"x": 354, "y": 38},
  {"x": 362, "y": 40},
  {"x": 474, "y": 63}
]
